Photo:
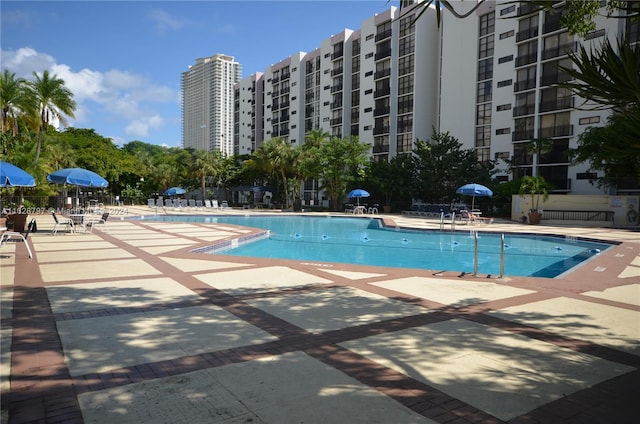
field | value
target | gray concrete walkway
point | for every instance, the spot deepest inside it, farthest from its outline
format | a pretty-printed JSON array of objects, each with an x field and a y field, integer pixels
[{"x": 129, "y": 326}]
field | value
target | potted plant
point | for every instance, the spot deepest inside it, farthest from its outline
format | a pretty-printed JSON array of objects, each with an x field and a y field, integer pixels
[{"x": 536, "y": 187}]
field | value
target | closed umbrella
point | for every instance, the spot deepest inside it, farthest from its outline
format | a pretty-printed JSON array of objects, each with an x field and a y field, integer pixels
[
  {"x": 12, "y": 176},
  {"x": 474, "y": 190},
  {"x": 358, "y": 193}
]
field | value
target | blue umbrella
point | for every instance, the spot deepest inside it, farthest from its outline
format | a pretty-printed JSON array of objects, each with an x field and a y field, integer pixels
[
  {"x": 12, "y": 176},
  {"x": 174, "y": 190},
  {"x": 77, "y": 176},
  {"x": 358, "y": 193},
  {"x": 474, "y": 190}
]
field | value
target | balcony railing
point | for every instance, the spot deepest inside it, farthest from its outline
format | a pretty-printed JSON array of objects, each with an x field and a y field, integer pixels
[
  {"x": 557, "y": 77},
  {"x": 529, "y": 84},
  {"x": 556, "y": 131},
  {"x": 383, "y": 34},
  {"x": 522, "y": 135},
  {"x": 524, "y": 110},
  {"x": 381, "y": 111},
  {"x": 336, "y": 88},
  {"x": 526, "y": 34},
  {"x": 560, "y": 50},
  {"x": 557, "y": 104},
  {"x": 337, "y": 71},
  {"x": 381, "y": 148},
  {"x": 383, "y": 53},
  {"x": 381, "y": 92},
  {"x": 380, "y": 130},
  {"x": 337, "y": 55},
  {"x": 382, "y": 74},
  {"x": 526, "y": 59},
  {"x": 336, "y": 121}
]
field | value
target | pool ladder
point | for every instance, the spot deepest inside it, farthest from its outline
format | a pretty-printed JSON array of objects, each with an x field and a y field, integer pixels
[
  {"x": 474, "y": 234},
  {"x": 475, "y": 254}
]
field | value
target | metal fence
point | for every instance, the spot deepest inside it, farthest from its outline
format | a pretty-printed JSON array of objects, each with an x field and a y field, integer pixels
[{"x": 560, "y": 215}]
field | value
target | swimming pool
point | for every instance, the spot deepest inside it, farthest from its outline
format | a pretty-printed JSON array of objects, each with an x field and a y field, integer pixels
[{"x": 365, "y": 241}]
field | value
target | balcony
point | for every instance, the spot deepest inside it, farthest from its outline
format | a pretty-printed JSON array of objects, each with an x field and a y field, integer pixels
[
  {"x": 526, "y": 34},
  {"x": 556, "y": 77},
  {"x": 556, "y": 131},
  {"x": 561, "y": 50},
  {"x": 520, "y": 135},
  {"x": 557, "y": 104},
  {"x": 335, "y": 121},
  {"x": 284, "y": 131},
  {"x": 382, "y": 92},
  {"x": 382, "y": 74},
  {"x": 526, "y": 59},
  {"x": 383, "y": 35},
  {"x": 383, "y": 54},
  {"x": 285, "y": 90},
  {"x": 524, "y": 110},
  {"x": 381, "y": 111},
  {"x": 381, "y": 148},
  {"x": 529, "y": 84},
  {"x": 336, "y": 88},
  {"x": 275, "y": 80},
  {"x": 336, "y": 105},
  {"x": 337, "y": 55},
  {"x": 380, "y": 130},
  {"x": 337, "y": 71},
  {"x": 286, "y": 75},
  {"x": 284, "y": 118}
]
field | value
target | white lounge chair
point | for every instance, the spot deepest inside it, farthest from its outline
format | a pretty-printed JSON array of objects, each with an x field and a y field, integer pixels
[{"x": 17, "y": 236}]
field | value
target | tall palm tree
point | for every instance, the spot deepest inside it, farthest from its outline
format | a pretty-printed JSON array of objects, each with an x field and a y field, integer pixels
[
  {"x": 206, "y": 164},
  {"x": 15, "y": 100},
  {"x": 276, "y": 157},
  {"x": 54, "y": 101}
]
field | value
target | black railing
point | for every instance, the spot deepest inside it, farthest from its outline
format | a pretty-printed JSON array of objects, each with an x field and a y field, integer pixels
[{"x": 559, "y": 215}]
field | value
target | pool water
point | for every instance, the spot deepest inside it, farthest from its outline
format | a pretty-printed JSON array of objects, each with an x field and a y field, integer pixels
[{"x": 364, "y": 241}]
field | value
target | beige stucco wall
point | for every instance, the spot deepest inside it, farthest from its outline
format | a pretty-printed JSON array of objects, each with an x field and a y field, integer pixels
[{"x": 620, "y": 205}]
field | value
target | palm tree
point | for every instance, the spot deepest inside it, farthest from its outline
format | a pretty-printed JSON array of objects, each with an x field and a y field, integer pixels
[
  {"x": 276, "y": 157},
  {"x": 206, "y": 164},
  {"x": 15, "y": 100},
  {"x": 54, "y": 101}
]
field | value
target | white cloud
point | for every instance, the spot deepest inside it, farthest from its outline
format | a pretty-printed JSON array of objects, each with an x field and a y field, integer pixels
[
  {"x": 140, "y": 127},
  {"x": 127, "y": 100},
  {"x": 165, "y": 22}
]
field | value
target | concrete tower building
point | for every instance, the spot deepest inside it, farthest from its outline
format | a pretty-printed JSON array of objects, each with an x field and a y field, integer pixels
[{"x": 208, "y": 105}]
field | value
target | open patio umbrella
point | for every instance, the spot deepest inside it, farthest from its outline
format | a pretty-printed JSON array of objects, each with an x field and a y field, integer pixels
[
  {"x": 358, "y": 193},
  {"x": 77, "y": 176},
  {"x": 174, "y": 191},
  {"x": 12, "y": 176},
  {"x": 474, "y": 190}
]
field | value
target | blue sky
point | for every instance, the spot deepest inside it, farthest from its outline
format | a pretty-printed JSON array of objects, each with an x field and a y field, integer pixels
[{"x": 123, "y": 59}]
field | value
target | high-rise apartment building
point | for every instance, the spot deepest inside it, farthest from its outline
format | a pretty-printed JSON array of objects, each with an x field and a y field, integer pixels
[
  {"x": 501, "y": 89},
  {"x": 490, "y": 79},
  {"x": 208, "y": 103}
]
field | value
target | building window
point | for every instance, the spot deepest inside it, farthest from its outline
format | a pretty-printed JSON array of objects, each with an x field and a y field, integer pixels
[
  {"x": 500, "y": 131},
  {"x": 483, "y": 115},
  {"x": 485, "y": 69},
  {"x": 594, "y": 34},
  {"x": 483, "y": 136},
  {"x": 487, "y": 24},
  {"x": 503, "y": 107},
  {"x": 368, "y": 55},
  {"x": 405, "y": 85},
  {"x": 506, "y": 10},
  {"x": 484, "y": 92},
  {"x": 507, "y": 34},
  {"x": 589, "y": 120},
  {"x": 505, "y": 83},
  {"x": 485, "y": 48},
  {"x": 505, "y": 59},
  {"x": 406, "y": 25}
]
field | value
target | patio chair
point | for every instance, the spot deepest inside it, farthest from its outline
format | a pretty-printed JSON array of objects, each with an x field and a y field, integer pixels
[
  {"x": 17, "y": 236},
  {"x": 98, "y": 221},
  {"x": 192, "y": 203},
  {"x": 58, "y": 222},
  {"x": 199, "y": 204},
  {"x": 151, "y": 203},
  {"x": 207, "y": 204}
]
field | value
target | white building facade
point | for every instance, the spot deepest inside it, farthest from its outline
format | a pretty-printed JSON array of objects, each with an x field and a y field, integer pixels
[
  {"x": 208, "y": 104},
  {"x": 490, "y": 79}
]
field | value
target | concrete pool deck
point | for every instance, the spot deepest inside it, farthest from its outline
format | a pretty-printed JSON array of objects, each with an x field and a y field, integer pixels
[{"x": 130, "y": 326}]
